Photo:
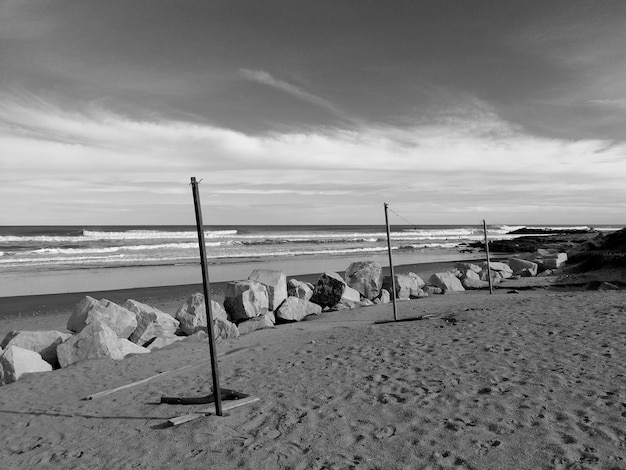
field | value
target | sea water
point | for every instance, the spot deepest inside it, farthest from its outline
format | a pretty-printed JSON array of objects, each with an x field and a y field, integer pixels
[{"x": 73, "y": 254}]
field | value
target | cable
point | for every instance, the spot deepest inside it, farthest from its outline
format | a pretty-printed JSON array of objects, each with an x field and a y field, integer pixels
[{"x": 409, "y": 222}]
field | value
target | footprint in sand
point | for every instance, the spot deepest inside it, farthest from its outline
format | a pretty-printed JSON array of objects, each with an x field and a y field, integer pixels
[{"x": 382, "y": 433}]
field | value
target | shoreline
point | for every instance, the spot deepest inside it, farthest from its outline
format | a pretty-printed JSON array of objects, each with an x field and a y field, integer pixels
[{"x": 63, "y": 281}]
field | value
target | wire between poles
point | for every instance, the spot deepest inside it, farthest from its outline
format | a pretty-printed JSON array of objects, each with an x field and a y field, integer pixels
[{"x": 408, "y": 221}]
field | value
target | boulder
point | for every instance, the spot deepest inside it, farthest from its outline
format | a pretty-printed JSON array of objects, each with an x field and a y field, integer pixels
[
  {"x": 470, "y": 283},
  {"x": 350, "y": 295},
  {"x": 496, "y": 277},
  {"x": 16, "y": 361},
  {"x": 405, "y": 284},
  {"x": 503, "y": 269},
  {"x": 276, "y": 284},
  {"x": 464, "y": 268},
  {"x": 90, "y": 310},
  {"x": 302, "y": 290},
  {"x": 366, "y": 277},
  {"x": 295, "y": 309},
  {"x": 257, "y": 323},
  {"x": 224, "y": 329},
  {"x": 418, "y": 293},
  {"x": 446, "y": 281},
  {"x": 151, "y": 322},
  {"x": 245, "y": 299},
  {"x": 383, "y": 297},
  {"x": 430, "y": 290},
  {"x": 42, "y": 342},
  {"x": 470, "y": 275},
  {"x": 329, "y": 289},
  {"x": 192, "y": 314},
  {"x": 94, "y": 341},
  {"x": 523, "y": 267},
  {"x": 418, "y": 280}
]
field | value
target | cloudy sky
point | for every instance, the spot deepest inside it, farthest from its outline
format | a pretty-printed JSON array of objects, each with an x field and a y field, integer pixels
[{"x": 312, "y": 112}]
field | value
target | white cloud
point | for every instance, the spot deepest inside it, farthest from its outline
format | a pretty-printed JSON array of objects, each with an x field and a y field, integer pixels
[
  {"x": 60, "y": 164},
  {"x": 265, "y": 78},
  {"x": 619, "y": 103}
]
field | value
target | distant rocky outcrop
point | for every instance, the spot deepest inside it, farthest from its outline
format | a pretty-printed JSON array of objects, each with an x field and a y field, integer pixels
[{"x": 604, "y": 251}]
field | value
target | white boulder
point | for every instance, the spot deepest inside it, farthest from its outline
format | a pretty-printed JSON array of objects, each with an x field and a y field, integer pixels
[
  {"x": 94, "y": 341},
  {"x": 366, "y": 277},
  {"x": 256, "y": 323},
  {"x": 431, "y": 290},
  {"x": 151, "y": 322},
  {"x": 276, "y": 284},
  {"x": 42, "y": 342},
  {"x": 468, "y": 270},
  {"x": 245, "y": 299},
  {"x": 16, "y": 361},
  {"x": 503, "y": 269},
  {"x": 407, "y": 285},
  {"x": 224, "y": 329},
  {"x": 446, "y": 281},
  {"x": 90, "y": 310},
  {"x": 192, "y": 314},
  {"x": 470, "y": 283},
  {"x": 302, "y": 290},
  {"x": 383, "y": 298},
  {"x": 295, "y": 309}
]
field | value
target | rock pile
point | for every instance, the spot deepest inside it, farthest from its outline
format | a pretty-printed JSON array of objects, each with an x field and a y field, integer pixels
[{"x": 103, "y": 329}]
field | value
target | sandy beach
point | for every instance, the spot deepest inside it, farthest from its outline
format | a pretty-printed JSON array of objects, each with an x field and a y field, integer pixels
[{"x": 532, "y": 379}]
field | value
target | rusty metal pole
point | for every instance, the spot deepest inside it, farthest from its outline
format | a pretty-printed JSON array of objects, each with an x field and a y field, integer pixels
[
  {"x": 217, "y": 393},
  {"x": 393, "y": 277},
  {"x": 488, "y": 261}
]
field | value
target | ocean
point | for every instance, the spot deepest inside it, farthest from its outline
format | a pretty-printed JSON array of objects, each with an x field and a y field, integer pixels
[{"x": 30, "y": 252}]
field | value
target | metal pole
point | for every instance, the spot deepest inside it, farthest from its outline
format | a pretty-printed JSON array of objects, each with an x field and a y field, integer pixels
[
  {"x": 393, "y": 277},
  {"x": 488, "y": 261},
  {"x": 217, "y": 393}
]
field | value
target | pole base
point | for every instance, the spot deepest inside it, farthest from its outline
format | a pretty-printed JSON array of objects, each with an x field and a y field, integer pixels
[{"x": 225, "y": 394}]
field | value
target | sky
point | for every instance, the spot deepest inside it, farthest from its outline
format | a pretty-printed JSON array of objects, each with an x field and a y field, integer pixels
[{"x": 312, "y": 112}]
